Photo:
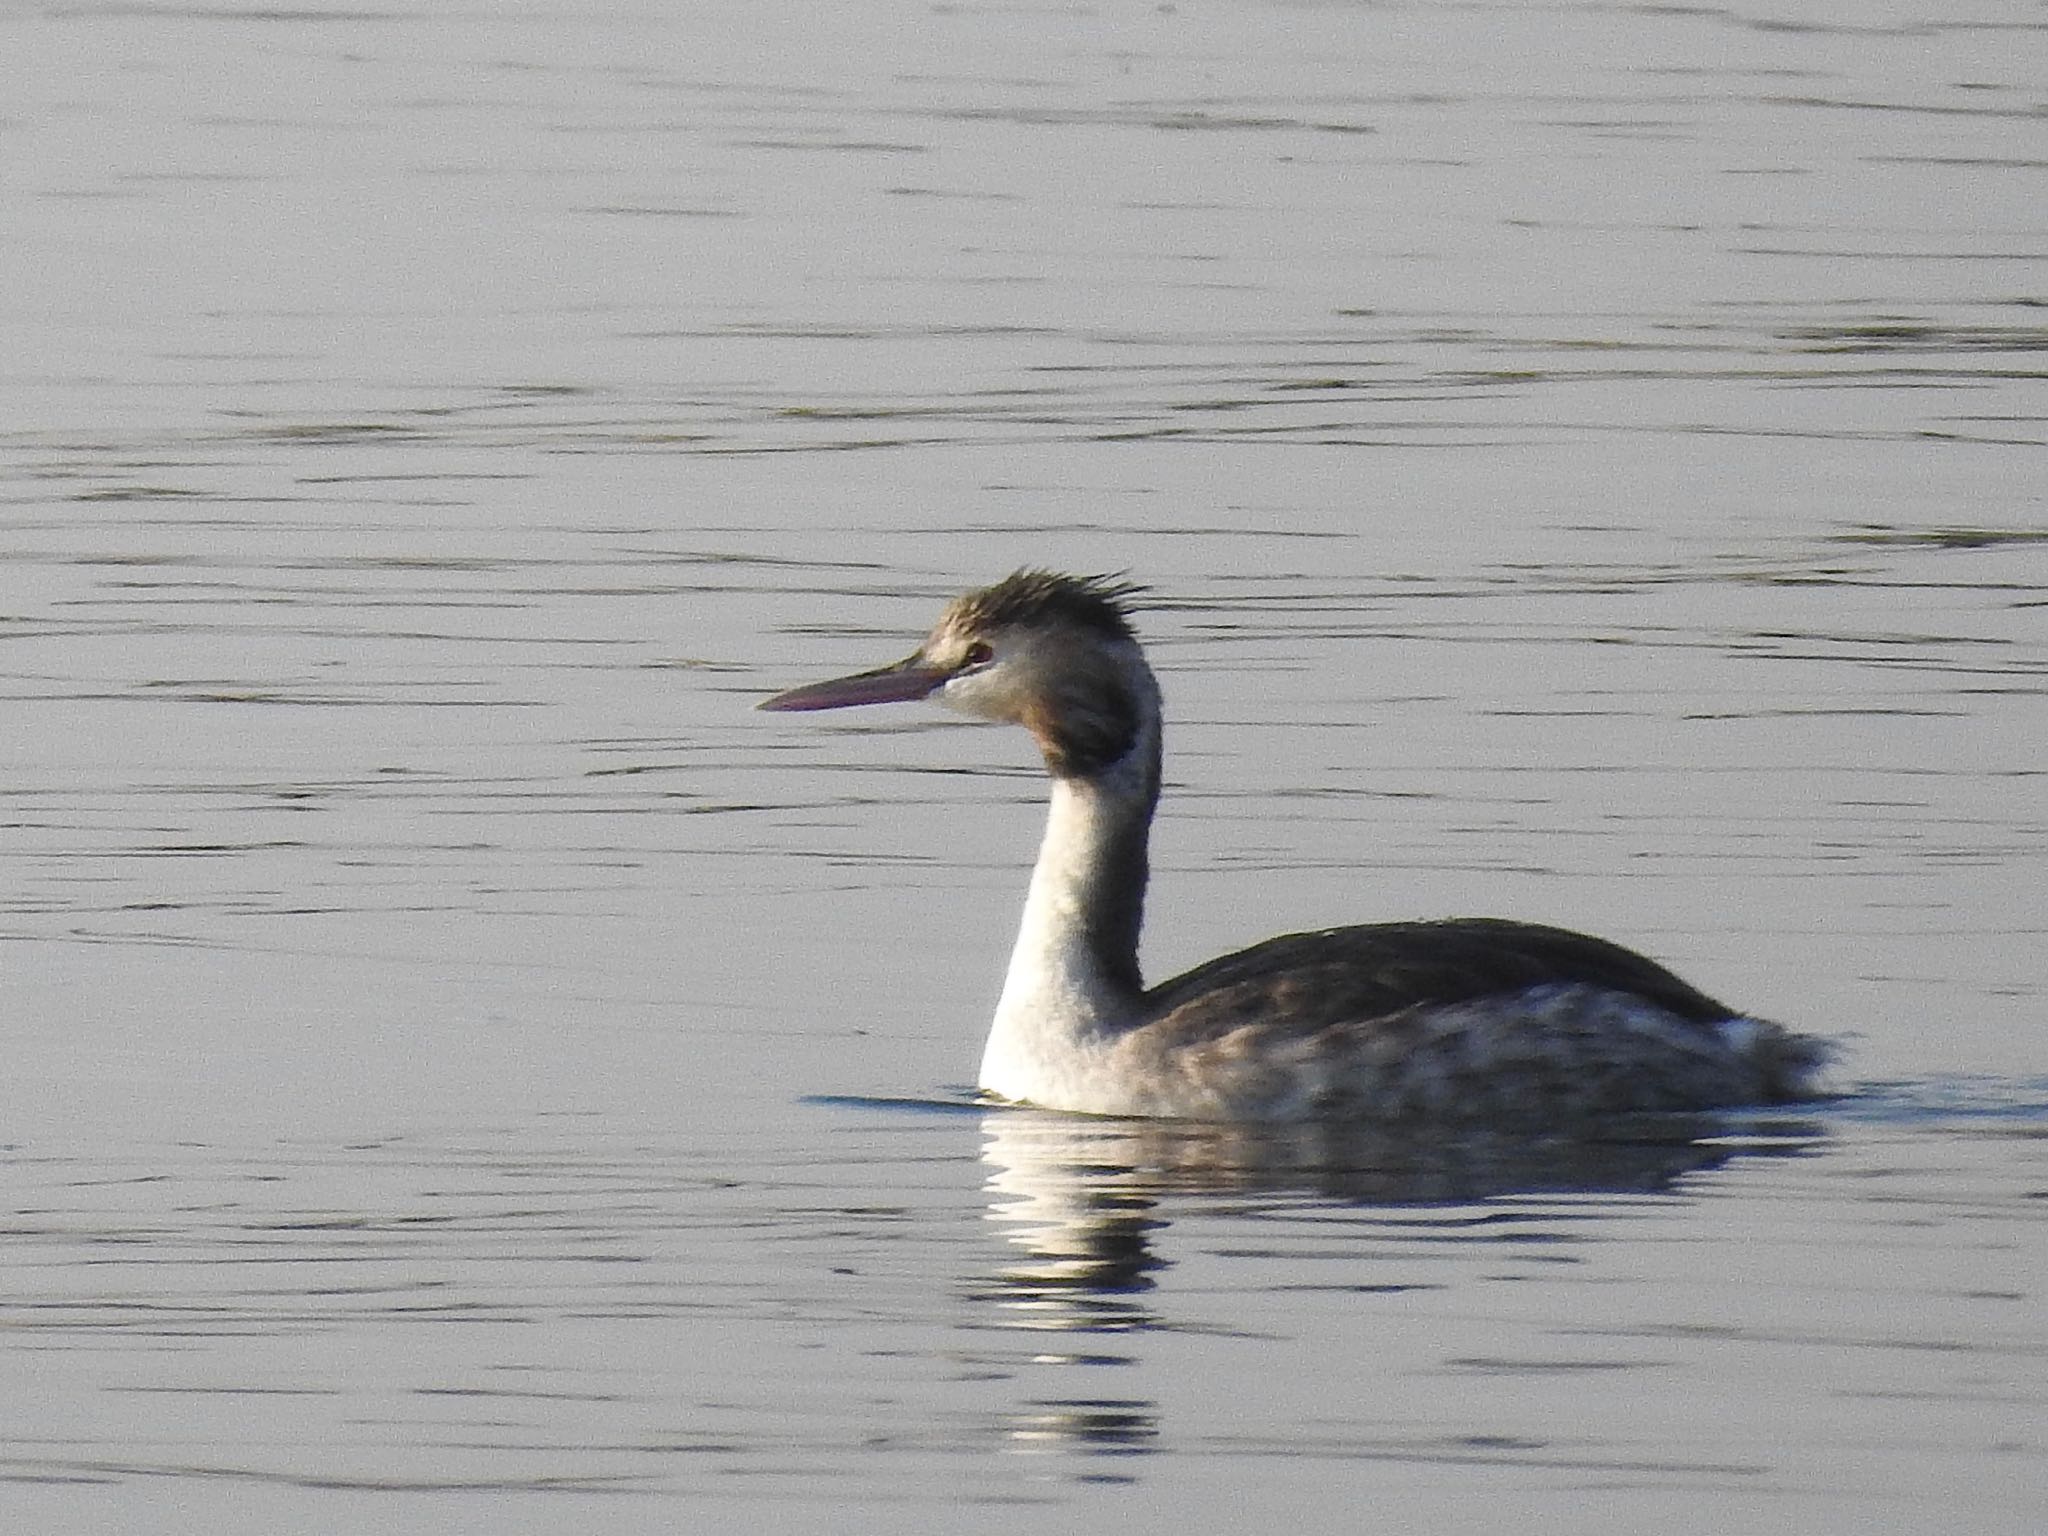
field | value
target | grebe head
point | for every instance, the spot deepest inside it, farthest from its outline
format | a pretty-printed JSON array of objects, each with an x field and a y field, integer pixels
[{"x": 1055, "y": 654}]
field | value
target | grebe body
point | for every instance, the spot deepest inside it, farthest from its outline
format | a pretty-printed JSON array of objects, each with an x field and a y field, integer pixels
[{"x": 1472, "y": 1019}]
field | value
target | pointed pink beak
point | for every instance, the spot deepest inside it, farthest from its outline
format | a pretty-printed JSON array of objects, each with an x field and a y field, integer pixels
[{"x": 914, "y": 678}]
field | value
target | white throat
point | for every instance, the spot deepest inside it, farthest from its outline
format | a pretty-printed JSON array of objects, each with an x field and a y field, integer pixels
[{"x": 1072, "y": 986}]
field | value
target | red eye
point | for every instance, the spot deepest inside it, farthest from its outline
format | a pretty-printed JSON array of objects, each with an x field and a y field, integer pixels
[{"x": 980, "y": 654}]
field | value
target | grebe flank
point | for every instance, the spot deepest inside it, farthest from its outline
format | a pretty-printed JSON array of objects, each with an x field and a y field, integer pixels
[{"x": 1463, "y": 1019}]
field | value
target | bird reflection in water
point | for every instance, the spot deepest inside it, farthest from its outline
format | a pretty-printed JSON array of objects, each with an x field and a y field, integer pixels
[
  {"x": 1081, "y": 1200},
  {"x": 1081, "y": 1214}
]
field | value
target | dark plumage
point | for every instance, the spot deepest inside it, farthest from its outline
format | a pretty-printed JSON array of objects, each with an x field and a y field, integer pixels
[
  {"x": 1381, "y": 968},
  {"x": 1048, "y": 599},
  {"x": 1460, "y": 1019}
]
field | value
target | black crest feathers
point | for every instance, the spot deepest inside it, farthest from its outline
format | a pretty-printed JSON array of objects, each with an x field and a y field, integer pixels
[{"x": 1027, "y": 597}]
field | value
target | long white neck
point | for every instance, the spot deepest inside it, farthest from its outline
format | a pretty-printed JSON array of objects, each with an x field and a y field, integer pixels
[{"x": 1073, "y": 982}]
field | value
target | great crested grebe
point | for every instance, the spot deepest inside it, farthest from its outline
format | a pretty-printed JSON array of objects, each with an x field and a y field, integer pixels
[{"x": 1475, "y": 1019}]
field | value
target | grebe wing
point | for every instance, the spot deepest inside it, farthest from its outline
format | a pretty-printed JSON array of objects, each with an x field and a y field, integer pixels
[
  {"x": 1354, "y": 975},
  {"x": 1473, "y": 1018}
]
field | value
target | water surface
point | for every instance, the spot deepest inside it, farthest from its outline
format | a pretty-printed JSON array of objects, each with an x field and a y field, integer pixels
[{"x": 470, "y": 1072}]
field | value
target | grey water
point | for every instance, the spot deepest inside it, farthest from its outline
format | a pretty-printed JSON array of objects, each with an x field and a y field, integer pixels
[{"x": 467, "y": 1071}]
